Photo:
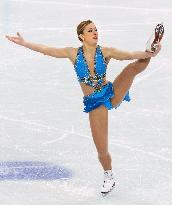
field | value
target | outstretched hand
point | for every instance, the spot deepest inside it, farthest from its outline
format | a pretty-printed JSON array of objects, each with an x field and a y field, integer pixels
[
  {"x": 16, "y": 39},
  {"x": 153, "y": 54},
  {"x": 158, "y": 49}
]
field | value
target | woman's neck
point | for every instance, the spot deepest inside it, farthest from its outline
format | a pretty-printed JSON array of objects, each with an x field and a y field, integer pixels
[{"x": 89, "y": 48}]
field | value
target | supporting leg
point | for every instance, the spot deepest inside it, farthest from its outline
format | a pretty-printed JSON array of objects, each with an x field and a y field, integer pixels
[{"x": 99, "y": 128}]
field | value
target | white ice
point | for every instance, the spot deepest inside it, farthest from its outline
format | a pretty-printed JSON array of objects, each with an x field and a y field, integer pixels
[{"x": 41, "y": 116}]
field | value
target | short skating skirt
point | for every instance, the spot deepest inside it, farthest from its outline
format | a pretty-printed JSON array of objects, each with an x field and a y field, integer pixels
[{"x": 102, "y": 97}]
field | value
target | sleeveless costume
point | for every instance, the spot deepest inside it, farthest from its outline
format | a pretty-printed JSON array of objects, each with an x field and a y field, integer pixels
[{"x": 102, "y": 93}]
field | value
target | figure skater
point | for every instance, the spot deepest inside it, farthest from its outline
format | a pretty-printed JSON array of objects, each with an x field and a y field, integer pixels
[{"x": 100, "y": 95}]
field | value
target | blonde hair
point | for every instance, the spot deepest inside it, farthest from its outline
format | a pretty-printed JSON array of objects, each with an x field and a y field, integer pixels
[{"x": 81, "y": 27}]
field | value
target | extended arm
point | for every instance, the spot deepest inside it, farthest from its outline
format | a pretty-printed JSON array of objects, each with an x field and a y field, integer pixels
[
  {"x": 125, "y": 55},
  {"x": 46, "y": 50}
]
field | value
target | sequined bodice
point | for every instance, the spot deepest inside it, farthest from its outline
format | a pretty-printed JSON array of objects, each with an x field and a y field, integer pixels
[{"x": 83, "y": 72}]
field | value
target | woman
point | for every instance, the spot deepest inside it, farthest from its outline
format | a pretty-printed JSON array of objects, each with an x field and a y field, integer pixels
[{"x": 100, "y": 95}]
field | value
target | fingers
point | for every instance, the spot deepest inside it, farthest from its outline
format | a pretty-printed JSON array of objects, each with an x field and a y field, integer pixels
[
  {"x": 158, "y": 46},
  {"x": 157, "y": 50},
  {"x": 12, "y": 39},
  {"x": 9, "y": 38},
  {"x": 18, "y": 34},
  {"x": 16, "y": 39},
  {"x": 153, "y": 54}
]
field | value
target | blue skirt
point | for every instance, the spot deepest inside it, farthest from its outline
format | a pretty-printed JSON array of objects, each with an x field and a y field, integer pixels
[{"x": 102, "y": 97}]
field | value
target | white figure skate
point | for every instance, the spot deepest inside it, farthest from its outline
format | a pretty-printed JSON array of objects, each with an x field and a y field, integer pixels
[{"x": 109, "y": 182}]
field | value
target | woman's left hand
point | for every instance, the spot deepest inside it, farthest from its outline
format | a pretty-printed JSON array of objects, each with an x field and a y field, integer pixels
[{"x": 153, "y": 54}]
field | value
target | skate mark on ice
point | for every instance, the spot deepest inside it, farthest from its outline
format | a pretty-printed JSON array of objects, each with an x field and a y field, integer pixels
[{"x": 133, "y": 149}]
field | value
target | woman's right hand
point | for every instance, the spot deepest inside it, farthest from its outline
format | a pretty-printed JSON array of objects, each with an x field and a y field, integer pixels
[{"x": 16, "y": 39}]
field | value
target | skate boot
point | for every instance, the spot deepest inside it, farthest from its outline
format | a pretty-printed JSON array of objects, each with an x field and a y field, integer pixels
[
  {"x": 156, "y": 37},
  {"x": 109, "y": 182}
]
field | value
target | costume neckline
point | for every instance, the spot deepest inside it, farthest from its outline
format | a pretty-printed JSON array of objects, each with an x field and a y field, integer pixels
[{"x": 86, "y": 63}]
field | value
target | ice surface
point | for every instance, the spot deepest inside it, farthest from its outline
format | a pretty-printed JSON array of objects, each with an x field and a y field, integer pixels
[{"x": 41, "y": 118}]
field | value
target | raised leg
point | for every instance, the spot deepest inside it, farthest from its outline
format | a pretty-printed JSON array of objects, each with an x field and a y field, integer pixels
[
  {"x": 99, "y": 128},
  {"x": 124, "y": 80}
]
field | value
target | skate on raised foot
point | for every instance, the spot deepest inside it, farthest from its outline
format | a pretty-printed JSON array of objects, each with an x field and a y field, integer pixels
[
  {"x": 156, "y": 37},
  {"x": 109, "y": 182}
]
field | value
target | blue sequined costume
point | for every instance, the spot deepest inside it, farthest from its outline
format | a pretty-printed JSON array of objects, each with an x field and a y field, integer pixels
[{"x": 102, "y": 93}]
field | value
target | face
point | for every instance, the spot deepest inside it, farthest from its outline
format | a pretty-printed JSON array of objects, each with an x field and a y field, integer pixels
[{"x": 90, "y": 34}]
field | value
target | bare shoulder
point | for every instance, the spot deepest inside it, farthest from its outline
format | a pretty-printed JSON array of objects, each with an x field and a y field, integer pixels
[
  {"x": 72, "y": 50},
  {"x": 72, "y": 54},
  {"x": 106, "y": 53}
]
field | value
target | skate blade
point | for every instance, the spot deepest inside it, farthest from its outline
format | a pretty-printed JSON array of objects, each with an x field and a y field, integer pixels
[
  {"x": 104, "y": 194},
  {"x": 152, "y": 46}
]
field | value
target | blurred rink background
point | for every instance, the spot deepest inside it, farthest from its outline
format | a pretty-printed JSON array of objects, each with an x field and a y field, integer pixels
[{"x": 47, "y": 155}]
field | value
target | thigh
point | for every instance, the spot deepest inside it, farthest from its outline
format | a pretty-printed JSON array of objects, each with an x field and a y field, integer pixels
[
  {"x": 122, "y": 84},
  {"x": 99, "y": 128}
]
